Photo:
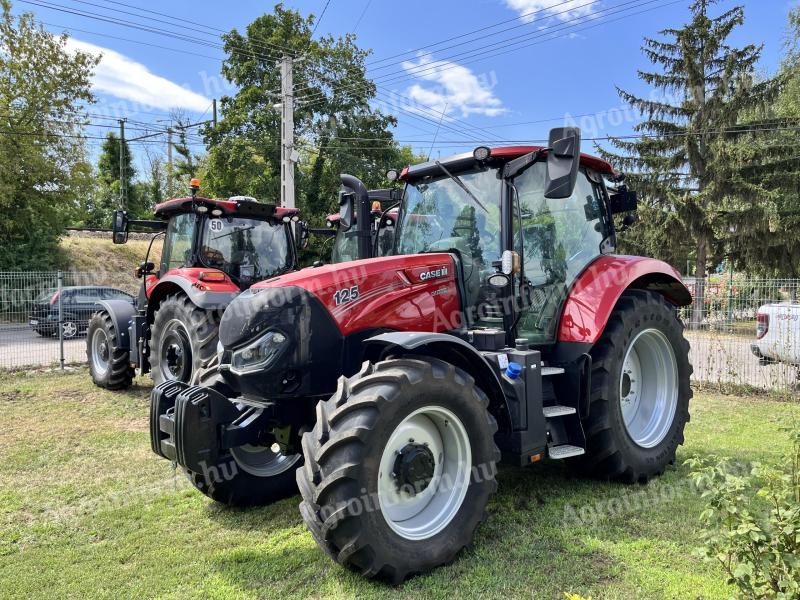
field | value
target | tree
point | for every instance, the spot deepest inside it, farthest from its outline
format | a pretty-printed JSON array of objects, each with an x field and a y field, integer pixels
[
  {"x": 336, "y": 128},
  {"x": 44, "y": 174},
  {"x": 697, "y": 164},
  {"x": 775, "y": 229}
]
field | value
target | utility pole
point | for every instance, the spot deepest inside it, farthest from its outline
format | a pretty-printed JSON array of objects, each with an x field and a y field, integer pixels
[
  {"x": 123, "y": 188},
  {"x": 214, "y": 111},
  {"x": 288, "y": 153},
  {"x": 169, "y": 162}
]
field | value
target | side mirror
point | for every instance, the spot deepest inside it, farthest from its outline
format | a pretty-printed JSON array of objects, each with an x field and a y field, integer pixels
[
  {"x": 624, "y": 200},
  {"x": 145, "y": 268},
  {"x": 347, "y": 207},
  {"x": 563, "y": 162},
  {"x": 119, "y": 227},
  {"x": 302, "y": 240}
]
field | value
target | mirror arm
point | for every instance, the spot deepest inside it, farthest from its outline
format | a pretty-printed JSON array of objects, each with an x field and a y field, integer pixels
[{"x": 519, "y": 165}]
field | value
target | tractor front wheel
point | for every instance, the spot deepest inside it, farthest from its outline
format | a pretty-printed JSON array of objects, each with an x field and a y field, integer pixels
[
  {"x": 399, "y": 467},
  {"x": 183, "y": 340},
  {"x": 640, "y": 391},
  {"x": 109, "y": 364}
]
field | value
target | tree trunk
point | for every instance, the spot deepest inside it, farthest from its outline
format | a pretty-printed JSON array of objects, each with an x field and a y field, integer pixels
[{"x": 698, "y": 307}]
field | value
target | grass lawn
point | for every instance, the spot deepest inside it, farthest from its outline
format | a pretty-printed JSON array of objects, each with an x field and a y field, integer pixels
[{"x": 86, "y": 510}]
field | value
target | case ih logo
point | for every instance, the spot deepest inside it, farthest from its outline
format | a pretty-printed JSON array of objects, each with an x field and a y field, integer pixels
[{"x": 433, "y": 274}]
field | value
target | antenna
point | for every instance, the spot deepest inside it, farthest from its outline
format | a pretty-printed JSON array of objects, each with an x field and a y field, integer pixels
[{"x": 438, "y": 127}]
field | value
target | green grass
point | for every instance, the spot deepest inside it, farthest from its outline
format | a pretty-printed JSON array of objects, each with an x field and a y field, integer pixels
[{"x": 86, "y": 510}]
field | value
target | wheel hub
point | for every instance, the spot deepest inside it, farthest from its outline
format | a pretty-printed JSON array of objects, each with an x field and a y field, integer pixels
[{"x": 414, "y": 468}]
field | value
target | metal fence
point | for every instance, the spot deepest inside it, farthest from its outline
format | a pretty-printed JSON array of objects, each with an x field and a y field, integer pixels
[
  {"x": 721, "y": 326},
  {"x": 43, "y": 317}
]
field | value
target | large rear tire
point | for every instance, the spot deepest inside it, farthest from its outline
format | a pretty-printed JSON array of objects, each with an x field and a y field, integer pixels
[
  {"x": 109, "y": 364},
  {"x": 640, "y": 391},
  {"x": 399, "y": 467},
  {"x": 183, "y": 340}
]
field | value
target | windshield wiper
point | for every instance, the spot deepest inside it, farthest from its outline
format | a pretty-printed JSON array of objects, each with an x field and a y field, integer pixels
[{"x": 462, "y": 185}]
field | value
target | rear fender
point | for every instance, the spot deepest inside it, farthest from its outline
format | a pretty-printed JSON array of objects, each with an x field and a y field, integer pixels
[
  {"x": 597, "y": 290},
  {"x": 121, "y": 314},
  {"x": 451, "y": 349}
]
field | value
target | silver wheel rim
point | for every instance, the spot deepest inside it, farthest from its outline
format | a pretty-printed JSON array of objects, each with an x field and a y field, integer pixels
[
  {"x": 262, "y": 461},
  {"x": 70, "y": 329},
  {"x": 648, "y": 388},
  {"x": 418, "y": 515},
  {"x": 101, "y": 353},
  {"x": 175, "y": 359}
]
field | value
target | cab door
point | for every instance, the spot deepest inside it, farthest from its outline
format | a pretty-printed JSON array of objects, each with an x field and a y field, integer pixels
[{"x": 556, "y": 240}]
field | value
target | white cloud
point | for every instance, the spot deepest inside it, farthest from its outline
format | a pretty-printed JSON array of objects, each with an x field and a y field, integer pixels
[
  {"x": 119, "y": 76},
  {"x": 457, "y": 88},
  {"x": 530, "y": 10}
]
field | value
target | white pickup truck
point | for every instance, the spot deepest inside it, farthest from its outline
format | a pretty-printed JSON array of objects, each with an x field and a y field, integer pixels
[{"x": 778, "y": 334}]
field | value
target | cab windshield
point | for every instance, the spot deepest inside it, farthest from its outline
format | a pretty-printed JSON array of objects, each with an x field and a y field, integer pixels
[
  {"x": 246, "y": 249},
  {"x": 438, "y": 215}
]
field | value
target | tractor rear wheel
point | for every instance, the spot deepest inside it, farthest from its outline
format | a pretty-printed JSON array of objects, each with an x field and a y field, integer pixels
[
  {"x": 399, "y": 467},
  {"x": 183, "y": 340},
  {"x": 640, "y": 391},
  {"x": 109, "y": 364}
]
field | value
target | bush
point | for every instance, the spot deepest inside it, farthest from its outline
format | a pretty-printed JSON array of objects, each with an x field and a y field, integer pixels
[{"x": 752, "y": 522}]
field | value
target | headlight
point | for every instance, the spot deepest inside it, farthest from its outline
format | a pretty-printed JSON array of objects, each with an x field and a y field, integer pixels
[{"x": 259, "y": 354}]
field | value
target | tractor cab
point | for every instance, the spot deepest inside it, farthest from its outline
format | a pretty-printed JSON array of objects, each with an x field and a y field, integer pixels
[
  {"x": 511, "y": 215},
  {"x": 244, "y": 240},
  {"x": 382, "y": 216}
]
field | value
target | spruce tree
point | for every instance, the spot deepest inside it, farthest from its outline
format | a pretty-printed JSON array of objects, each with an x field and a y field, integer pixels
[{"x": 694, "y": 159}]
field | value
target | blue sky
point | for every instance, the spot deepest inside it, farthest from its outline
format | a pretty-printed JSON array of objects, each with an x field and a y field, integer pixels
[{"x": 568, "y": 76}]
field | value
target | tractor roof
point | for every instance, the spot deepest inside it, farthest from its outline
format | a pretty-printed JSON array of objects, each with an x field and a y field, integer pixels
[
  {"x": 461, "y": 162},
  {"x": 239, "y": 206}
]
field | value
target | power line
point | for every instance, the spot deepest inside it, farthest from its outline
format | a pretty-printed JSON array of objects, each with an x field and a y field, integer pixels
[
  {"x": 562, "y": 30},
  {"x": 316, "y": 24},
  {"x": 456, "y": 37},
  {"x": 146, "y": 28}
]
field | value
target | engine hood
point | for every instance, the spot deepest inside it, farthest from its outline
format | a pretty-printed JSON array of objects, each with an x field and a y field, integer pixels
[{"x": 401, "y": 293}]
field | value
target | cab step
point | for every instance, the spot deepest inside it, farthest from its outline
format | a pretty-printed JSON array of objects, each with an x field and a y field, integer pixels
[
  {"x": 557, "y": 410},
  {"x": 551, "y": 371},
  {"x": 564, "y": 451}
]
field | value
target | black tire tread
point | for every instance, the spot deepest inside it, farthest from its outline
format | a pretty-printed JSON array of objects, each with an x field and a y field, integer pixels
[
  {"x": 120, "y": 373},
  {"x": 204, "y": 345},
  {"x": 604, "y": 458}
]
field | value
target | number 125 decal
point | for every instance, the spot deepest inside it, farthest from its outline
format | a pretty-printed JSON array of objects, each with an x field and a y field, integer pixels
[{"x": 345, "y": 295}]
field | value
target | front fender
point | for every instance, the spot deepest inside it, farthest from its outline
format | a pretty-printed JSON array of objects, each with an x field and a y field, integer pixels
[
  {"x": 205, "y": 299},
  {"x": 450, "y": 349},
  {"x": 597, "y": 290},
  {"x": 121, "y": 314}
]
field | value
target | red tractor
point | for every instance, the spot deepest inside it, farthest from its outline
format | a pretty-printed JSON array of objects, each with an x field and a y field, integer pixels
[
  {"x": 502, "y": 327},
  {"x": 213, "y": 249}
]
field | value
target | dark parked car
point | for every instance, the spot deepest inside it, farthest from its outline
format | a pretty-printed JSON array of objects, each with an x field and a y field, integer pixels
[{"x": 78, "y": 304}]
